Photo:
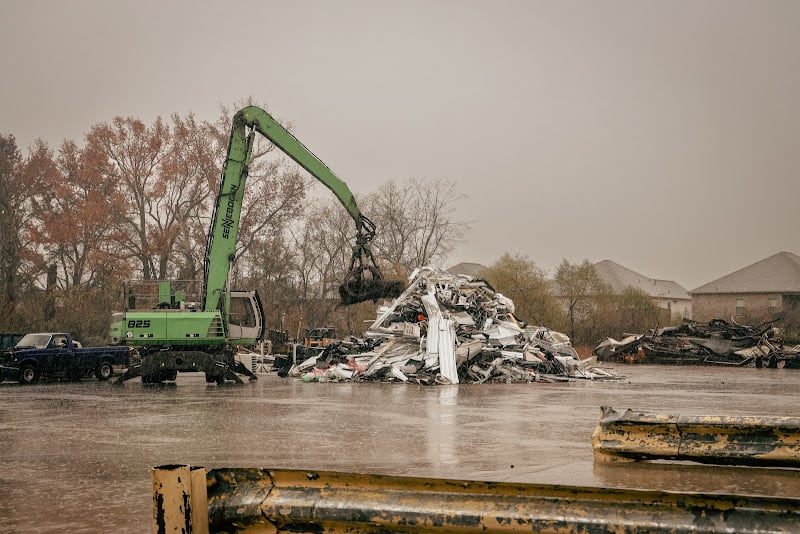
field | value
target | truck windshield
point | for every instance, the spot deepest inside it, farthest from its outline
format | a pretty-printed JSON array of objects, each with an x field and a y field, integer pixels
[{"x": 38, "y": 341}]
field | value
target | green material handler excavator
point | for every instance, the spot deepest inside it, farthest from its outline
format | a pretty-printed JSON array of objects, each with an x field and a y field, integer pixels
[{"x": 174, "y": 333}]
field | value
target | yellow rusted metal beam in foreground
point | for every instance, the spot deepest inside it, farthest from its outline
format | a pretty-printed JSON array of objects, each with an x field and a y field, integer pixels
[
  {"x": 753, "y": 441},
  {"x": 180, "y": 501},
  {"x": 277, "y": 501}
]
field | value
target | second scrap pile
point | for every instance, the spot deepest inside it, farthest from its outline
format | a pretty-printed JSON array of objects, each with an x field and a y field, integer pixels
[
  {"x": 717, "y": 342},
  {"x": 448, "y": 329}
]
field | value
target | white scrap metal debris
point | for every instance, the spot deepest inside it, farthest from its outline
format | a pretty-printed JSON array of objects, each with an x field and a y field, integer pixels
[{"x": 450, "y": 329}]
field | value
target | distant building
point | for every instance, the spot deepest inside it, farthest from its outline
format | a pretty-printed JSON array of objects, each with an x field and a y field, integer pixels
[
  {"x": 469, "y": 269},
  {"x": 752, "y": 294},
  {"x": 666, "y": 294}
]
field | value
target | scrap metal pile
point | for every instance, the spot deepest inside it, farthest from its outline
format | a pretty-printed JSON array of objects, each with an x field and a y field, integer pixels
[
  {"x": 714, "y": 343},
  {"x": 448, "y": 329}
]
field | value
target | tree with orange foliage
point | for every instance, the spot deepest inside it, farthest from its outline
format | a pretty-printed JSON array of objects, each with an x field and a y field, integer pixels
[{"x": 78, "y": 219}]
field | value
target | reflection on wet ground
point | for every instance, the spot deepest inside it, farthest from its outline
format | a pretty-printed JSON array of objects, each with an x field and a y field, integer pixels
[{"x": 78, "y": 456}]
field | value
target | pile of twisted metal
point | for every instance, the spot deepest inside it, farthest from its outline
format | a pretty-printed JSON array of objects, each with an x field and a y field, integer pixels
[
  {"x": 449, "y": 329},
  {"x": 717, "y": 342}
]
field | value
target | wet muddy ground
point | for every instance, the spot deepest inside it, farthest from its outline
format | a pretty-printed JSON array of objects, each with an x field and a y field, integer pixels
[{"x": 77, "y": 456}]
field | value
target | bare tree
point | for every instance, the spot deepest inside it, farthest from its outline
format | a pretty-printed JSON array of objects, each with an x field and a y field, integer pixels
[
  {"x": 270, "y": 268},
  {"x": 391, "y": 209},
  {"x": 437, "y": 233},
  {"x": 189, "y": 171},
  {"x": 275, "y": 197},
  {"x": 135, "y": 152},
  {"x": 415, "y": 221},
  {"x": 324, "y": 246}
]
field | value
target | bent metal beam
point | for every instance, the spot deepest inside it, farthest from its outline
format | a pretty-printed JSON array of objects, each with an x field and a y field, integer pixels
[
  {"x": 267, "y": 500},
  {"x": 757, "y": 441}
]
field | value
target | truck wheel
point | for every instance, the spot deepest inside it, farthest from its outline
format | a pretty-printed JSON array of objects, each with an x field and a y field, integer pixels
[
  {"x": 28, "y": 374},
  {"x": 104, "y": 372}
]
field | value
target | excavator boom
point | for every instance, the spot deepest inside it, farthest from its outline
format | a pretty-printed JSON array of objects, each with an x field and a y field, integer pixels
[{"x": 363, "y": 281}]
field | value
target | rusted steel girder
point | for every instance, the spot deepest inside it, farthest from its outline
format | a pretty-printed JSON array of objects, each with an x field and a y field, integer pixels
[
  {"x": 753, "y": 441},
  {"x": 180, "y": 502},
  {"x": 262, "y": 500}
]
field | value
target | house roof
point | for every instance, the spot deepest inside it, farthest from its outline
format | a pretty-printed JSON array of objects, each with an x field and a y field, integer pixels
[
  {"x": 619, "y": 277},
  {"x": 779, "y": 273},
  {"x": 470, "y": 269}
]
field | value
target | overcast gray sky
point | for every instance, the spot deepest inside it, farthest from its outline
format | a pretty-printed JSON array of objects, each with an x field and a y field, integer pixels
[{"x": 660, "y": 135}]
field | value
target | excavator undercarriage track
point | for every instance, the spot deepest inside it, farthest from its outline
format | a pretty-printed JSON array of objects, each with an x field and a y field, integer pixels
[{"x": 163, "y": 366}]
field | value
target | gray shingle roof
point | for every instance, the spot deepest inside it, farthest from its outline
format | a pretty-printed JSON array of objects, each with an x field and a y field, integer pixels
[
  {"x": 619, "y": 277},
  {"x": 470, "y": 269},
  {"x": 779, "y": 273}
]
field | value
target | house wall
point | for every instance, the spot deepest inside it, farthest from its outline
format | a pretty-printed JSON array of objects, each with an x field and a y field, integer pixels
[
  {"x": 680, "y": 307},
  {"x": 723, "y": 306}
]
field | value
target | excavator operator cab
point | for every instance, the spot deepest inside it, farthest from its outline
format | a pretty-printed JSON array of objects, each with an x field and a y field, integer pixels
[{"x": 246, "y": 318}]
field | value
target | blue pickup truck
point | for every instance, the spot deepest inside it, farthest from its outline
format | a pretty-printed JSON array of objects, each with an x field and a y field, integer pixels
[{"x": 56, "y": 355}]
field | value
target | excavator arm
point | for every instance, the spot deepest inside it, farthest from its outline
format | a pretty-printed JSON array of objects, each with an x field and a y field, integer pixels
[{"x": 363, "y": 281}]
